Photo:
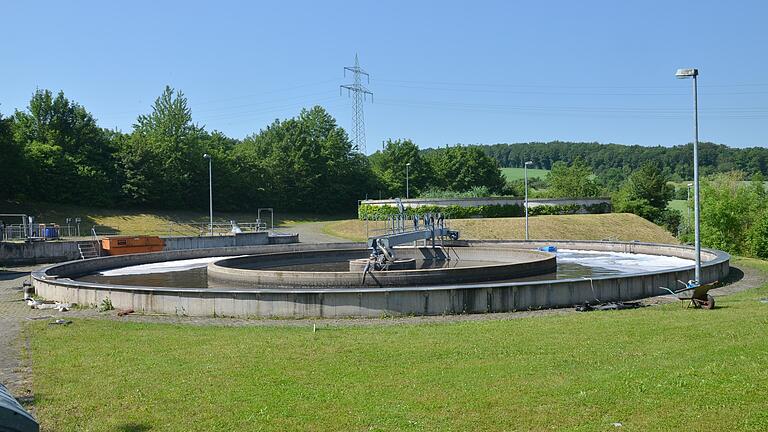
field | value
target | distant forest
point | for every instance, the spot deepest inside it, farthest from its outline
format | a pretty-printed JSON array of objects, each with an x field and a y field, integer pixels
[{"x": 617, "y": 161}]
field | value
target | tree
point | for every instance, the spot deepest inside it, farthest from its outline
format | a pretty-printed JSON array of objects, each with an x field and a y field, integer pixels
[
  {"x": 572, "y": 181},
  {"x": 309, "y": 164},
  {"x": 729, "y": 213},
  {"x": 10, "y": 162},
  {"x": 68, "y": 157},
  {"x": 646, "y": 193},
  {"x": 460, "y": 169},
  {"x": 163, "y": 159},
  {"x": 389, "y": 166}
]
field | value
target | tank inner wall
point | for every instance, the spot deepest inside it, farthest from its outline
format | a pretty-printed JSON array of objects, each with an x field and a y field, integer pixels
[{"x": 254, "y": 271}]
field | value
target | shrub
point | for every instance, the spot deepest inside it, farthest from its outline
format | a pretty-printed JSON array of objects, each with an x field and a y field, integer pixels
[{"x": 368, "y": 211}]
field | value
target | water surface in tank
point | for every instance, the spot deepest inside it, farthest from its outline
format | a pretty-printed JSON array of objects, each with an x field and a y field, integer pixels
[{"x": 570, "y": 264}]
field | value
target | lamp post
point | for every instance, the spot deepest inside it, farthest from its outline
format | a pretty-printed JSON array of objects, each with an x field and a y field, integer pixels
[
  {"x": 683, "y": 74},
  {"x": 525, "y": 171},
  {"x": 407, "y": 181},
  {"x": 210, "y": 191},
  {"x": 688, "y": 203}
]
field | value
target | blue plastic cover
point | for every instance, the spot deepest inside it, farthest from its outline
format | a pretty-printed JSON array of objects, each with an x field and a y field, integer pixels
[{"x": 13, "y": 417}]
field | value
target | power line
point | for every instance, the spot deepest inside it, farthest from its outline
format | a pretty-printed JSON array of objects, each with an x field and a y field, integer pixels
[{"x": 359, "y": 92}]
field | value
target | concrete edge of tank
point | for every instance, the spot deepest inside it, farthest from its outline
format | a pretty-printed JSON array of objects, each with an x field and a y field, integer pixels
[{"x": 54, "y": 283}]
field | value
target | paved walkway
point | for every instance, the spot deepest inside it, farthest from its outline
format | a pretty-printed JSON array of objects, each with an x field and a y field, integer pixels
[{"x": 312, "y": 232}]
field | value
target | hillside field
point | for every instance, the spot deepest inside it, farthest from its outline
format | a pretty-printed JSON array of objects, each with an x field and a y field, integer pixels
[{"x": 518, "y": 173}]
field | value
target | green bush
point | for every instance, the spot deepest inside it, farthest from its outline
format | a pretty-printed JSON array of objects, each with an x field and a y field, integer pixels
[
  {"x": 367, "y": 211},
  {"x": 758, "y": 237}
]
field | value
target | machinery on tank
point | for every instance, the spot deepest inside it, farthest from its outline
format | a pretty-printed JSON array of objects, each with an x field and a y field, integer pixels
[{"x": 428, "y": 227}]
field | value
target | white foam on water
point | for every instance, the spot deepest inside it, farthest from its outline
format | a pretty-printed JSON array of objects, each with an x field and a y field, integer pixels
[
  {"x": 162, "y": 267},
  {"x": 621, "y": 261}
]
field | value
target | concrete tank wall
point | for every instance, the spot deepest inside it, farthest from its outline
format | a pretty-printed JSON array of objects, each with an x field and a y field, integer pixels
[
  {"x": 12, "y": 253},
  {"x": 53, "y": 283}
]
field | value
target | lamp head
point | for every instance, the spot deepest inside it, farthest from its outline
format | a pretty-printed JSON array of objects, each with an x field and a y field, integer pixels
[
  {"x": 529, "y": 163},
  {"x": 206, "y": 156},
  {"x": 687, "y": 73}
]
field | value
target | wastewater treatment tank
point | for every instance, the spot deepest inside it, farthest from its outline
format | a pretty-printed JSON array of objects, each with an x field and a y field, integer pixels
[{"x": 306, "y": 280}]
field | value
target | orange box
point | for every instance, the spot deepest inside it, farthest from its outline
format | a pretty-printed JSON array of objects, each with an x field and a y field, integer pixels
[{"x": 123, "y": 245}]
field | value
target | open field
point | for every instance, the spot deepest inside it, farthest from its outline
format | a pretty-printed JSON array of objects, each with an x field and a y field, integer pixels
[
  {"x": 658, "y": 368},
  {"x": 154, "y": 222},
  {"x": 518, "y": 173},
  {"x": 618, "y": 226},
  {"x": 680, "y": 205}
]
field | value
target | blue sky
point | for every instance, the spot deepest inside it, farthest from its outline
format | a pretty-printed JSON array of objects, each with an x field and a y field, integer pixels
[{"x": 441, "y": 72}]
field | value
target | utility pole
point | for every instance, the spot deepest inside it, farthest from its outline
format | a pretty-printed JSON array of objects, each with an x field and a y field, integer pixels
[{"x": 359, "y": 92}]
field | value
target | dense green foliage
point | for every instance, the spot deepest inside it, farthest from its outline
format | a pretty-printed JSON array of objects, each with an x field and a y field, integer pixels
[
  {"x": 452, "y": 169},
  {"x": 614, "y": 162},
  {"x": 390, "y": 167},
  {"x": 55, "y": 152},
  {"x": 733, "y": 215},
  {"x": 573, "y": 181},
  {"x": 647, "y": 193}
]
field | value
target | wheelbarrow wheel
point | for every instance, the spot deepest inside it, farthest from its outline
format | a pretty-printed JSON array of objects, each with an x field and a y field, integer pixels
[{"x": 709, "y": 303}]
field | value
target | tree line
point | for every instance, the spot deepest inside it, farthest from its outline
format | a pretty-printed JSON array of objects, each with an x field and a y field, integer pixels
[
  {"x": 54, "y": 151},
  {"x": 613, "y": 163}
]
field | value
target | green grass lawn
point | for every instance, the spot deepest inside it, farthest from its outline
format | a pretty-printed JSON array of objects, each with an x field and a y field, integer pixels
[
  {"x": 518, "y": 173},
  {"x": 680, "y": 205},
  {"x": 659, "y": 368}
]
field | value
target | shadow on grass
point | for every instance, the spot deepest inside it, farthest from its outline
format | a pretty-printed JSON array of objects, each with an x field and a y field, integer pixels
[
  {"x": 735, "y": 275},
  {"x": 133, "y": 427}
]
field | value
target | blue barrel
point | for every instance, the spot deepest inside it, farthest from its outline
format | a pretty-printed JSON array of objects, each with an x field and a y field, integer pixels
[{"x": 51, "y": 232}]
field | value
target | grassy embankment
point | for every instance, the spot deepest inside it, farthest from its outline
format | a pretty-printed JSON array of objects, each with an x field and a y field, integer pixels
[
  {"x": 152, "y": 222},
  {"x": 659, "y": 368},
  {"x": 617, "y": 226}
]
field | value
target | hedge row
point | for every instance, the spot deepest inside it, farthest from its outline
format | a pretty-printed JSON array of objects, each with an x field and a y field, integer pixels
[{"x": 367, "y": 211}]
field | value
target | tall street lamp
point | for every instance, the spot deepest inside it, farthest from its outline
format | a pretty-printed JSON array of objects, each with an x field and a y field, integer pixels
[
  {"x": 683, "y": 74},
  {"x": 407, "y": 181},
  {"x": 688, "y": 203},
  {"x": 525, "y": 170},
  {"x": 210, "y": 191}
]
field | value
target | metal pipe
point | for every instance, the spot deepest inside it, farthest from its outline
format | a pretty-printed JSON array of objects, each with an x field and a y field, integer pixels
[{"x": 407, "y": 181}]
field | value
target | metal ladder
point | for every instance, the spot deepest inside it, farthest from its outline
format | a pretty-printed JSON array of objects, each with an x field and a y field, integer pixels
[{"x": 88, "y": 249}]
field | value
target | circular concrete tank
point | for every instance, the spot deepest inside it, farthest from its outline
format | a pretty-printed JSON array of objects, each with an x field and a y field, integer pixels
[
  {"x": 61, "y": 282},
  {"x": 477, "y": 264}
]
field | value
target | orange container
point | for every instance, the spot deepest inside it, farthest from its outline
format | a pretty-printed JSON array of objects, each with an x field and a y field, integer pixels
[{"x": 130, "y": 245}]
